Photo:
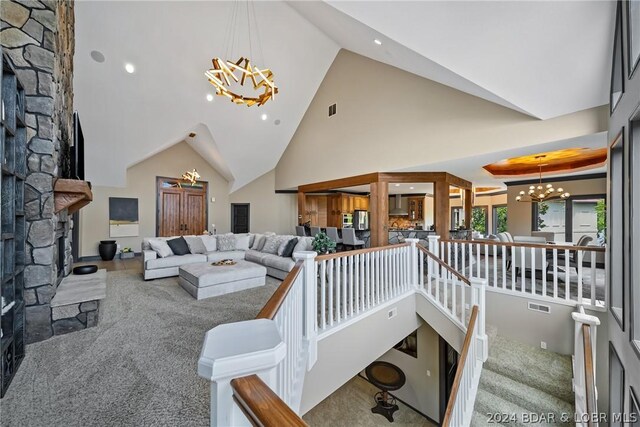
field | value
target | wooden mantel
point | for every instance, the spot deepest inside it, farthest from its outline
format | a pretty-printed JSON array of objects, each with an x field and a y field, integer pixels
[{"x": 71, "y": 194}]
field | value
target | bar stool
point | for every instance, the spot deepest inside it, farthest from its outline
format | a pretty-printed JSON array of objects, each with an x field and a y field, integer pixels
[
  {"x": 314, "y": 231},
  {"x": 387, "y": 377},
  {"x": 300, "y": 231}
]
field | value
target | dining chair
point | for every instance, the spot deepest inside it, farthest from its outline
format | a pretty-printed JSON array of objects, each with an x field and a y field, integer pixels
[
  {"x": 349, "y": 238},
  {"x": 300, "y": 231},
  {"x": 314, "y": 231},
  {"x": 332, "y": 233}
]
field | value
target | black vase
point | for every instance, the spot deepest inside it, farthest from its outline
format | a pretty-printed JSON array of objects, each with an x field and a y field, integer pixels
[{"x": 107, "y": 249}]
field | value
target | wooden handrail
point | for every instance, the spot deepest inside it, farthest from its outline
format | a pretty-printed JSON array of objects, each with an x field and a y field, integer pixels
[
  {"x": 549, "y": 246},
  {"x": 461, "y": 364},
  {"x": 358, "y": 251},
  {"x": 444, "y": 264},
  {"x": 589, "y": 373},
  {"x": 261, "y": 405},
  {"x": 273, "y": 305}
]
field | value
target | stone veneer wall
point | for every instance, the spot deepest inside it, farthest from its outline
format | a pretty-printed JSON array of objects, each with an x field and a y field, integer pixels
[{"x": 38, "y": 36}]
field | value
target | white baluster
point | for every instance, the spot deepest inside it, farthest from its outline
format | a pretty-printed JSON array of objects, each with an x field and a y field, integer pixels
[
  {"x": 323, "y": 296},
  {"x": 544, "y": 272},
  {"x": 567, "y": 271},
  {"x": 331, "y": 286},
  {"x": 555, "y": 273},
  {"x": 339, "y": 268},
  {"x": 503, "y": 252},
  {"x": 533, "y": 271},
  {"x": 579, "y": 267},
  {"x": 593, "y": 278}
]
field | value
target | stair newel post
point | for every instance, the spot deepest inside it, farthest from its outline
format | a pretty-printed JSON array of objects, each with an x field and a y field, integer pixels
[
  {"x": 478, "y": 297},
  {"x": 413, "y": 262},
  {"x": 235, "y": 350},
  {"x": 310, "y": 286}
]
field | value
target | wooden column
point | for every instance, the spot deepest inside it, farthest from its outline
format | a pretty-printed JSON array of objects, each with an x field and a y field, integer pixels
[
  {"x": 302, "y": 205},
  {"x": 379, "y": 208},
  {"x": 468, "y": 206},
  {"x": 442, "y": 208}
]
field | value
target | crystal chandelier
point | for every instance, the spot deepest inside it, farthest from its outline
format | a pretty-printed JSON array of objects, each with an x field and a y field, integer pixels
[
  {"x": 228, "y": 76},
  {"x": 191, "y": 176},
  {"x": 541, "y": 193}
]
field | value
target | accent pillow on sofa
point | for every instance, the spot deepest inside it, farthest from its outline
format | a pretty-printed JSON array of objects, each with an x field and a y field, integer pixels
[
  {"x": 161, "y": 247},
  {"x": 272, "y": 244},
  {"x": 242, "y": 242},
  {"x": 258, "y": 242},
  {"x": 196, "y": 246},
  {"x": 226, "y": 242},
  {"x": 304, "y": 244},
  {"x": 288, "y": 249},
  {"x": 210, "y": 242},
  {"x": 284, "y": 244},
  {"x": 178, "y": 246}
]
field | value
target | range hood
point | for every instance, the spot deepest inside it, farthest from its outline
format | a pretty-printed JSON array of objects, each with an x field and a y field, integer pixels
[{"x": 398, "y": 211}]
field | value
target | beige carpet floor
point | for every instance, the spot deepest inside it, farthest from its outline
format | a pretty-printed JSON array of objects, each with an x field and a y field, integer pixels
[
  {"x": 138, "y": 367},
  {"x": 350, "y": 406}
]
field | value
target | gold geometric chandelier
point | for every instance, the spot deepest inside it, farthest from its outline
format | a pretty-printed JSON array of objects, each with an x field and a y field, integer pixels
[
  {"x": 223, "y": 72},
  {"x": 541, "y": 193},
  {"x": 191, "y": 176},
  {"x": 227, "y": 74}
]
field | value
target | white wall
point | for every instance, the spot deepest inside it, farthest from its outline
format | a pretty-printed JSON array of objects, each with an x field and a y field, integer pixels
[
  {"x": 269, "y": 211},
  {"x": 422, "y": 389},
  {"x": 141, "y": 184}
]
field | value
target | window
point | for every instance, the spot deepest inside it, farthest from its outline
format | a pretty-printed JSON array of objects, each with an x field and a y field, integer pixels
[
  {"x": 633, "y": 18},
  {"x": 479, "y": 219},
  {"x": 632, "y": 269},
  {"x": 550, "y": 216},
  {"x": 617, "y": 228},
  {"x": 457, "y": 217},
  {"x": 499, "y": 219}
]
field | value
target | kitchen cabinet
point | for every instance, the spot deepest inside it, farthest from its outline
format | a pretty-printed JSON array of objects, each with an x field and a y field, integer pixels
[
  {"x": 336, "y": 205},
  {"x": 316, "y": 210},
  {"x": 416, "y": 208}
]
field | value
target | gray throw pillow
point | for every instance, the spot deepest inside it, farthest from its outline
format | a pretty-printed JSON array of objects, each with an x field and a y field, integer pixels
[
  {"x": 258, "y": 242},
  {"x": 210, "y": 242},
  {"x": 161, "y": 247},
  {"x": 242, "y": 242},
  {"x": 272, "y": 244},
  {"x": 304, "y": 244},
  {"x": 226, "y": 242},
  {"x": 196, "y": 246}
]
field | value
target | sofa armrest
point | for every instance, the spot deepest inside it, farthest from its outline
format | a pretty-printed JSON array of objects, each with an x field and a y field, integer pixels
[{"x": 148, "y": 255}]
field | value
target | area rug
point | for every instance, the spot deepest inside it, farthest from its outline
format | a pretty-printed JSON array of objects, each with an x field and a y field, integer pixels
[{"x": 138, "y": 367}]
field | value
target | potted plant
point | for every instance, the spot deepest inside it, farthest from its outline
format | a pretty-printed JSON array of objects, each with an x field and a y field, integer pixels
[
  {"x": 323, "y": 244},
  {"x": 126, "y": 253}
]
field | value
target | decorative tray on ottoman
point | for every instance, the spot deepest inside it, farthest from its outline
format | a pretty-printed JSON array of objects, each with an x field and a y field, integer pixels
[{"x": 224, "y": 262}]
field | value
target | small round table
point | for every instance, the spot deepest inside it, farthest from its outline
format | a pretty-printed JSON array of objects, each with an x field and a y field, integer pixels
[{"x": 387, "y": 377}]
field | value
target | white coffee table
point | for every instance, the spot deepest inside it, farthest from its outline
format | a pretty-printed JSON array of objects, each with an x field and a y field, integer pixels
[{"x": 204, "y": 280}]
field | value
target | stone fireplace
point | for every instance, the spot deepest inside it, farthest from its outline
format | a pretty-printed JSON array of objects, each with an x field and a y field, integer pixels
[{"x": 38, "y": 36}]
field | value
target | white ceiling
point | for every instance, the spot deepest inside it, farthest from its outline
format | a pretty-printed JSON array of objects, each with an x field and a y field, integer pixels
[{"x": 541, "y": 58}]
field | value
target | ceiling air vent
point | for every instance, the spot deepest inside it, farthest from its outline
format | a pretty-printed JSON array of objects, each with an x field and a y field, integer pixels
[
  {"x": 539, "y": 307},
  {"x": 332, "y": 109}
]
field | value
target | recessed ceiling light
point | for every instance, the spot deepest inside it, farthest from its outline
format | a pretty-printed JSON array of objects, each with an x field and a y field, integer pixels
[
  {"x": 276, "y": 122},
  {"x": 209, "y": 97},
  {"x": 410, "y": 188},
  {"x": 130, "y": 68},
  {"x": 264, "y": 117},
  {"x": 97, "y": 56},
  {"x": 397, "y": 185},
  {"x": 378, "y": 42}
]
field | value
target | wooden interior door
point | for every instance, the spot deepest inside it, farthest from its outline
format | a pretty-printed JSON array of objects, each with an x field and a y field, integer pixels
[
  {"x": 170, "y": 206},
  {"x": 194, "y": 219},
  {"x": 182, "y": 208}
]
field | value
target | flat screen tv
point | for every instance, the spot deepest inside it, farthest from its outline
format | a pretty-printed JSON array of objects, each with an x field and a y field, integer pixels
[{"x": 77, "y": 150}]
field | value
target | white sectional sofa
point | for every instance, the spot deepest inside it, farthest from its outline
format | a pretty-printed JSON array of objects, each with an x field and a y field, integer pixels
[{"x": 155, "y": 267}]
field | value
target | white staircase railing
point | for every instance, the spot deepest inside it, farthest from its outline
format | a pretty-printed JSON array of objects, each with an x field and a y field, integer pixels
[
  {"x": 584, "y": 368},
  {"x": 560, "y": 273},
  {"x": 267, "y": 358}
]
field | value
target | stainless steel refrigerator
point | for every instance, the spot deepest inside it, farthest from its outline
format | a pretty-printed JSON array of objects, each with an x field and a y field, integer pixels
[{"x": 360, "y": 220}]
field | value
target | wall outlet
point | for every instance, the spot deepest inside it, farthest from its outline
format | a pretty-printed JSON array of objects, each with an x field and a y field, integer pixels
[
  {"x": 392, "y": 313},
  {"x": 428, "y": 373},
  {"x": 543, "y": 345}
]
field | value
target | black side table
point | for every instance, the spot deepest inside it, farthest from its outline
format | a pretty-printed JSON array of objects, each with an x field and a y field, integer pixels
[{"x": 387, "y": 377}]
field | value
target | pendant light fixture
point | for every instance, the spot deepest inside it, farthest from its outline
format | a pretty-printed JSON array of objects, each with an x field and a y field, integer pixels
[
  {"x": 229, "y": 76},
  {"x": 191, "y": 176},
  {"x": 541, "y": 193}
]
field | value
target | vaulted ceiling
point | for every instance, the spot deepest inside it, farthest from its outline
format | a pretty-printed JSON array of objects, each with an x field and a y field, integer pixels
[{"x": 544, "y": 59}]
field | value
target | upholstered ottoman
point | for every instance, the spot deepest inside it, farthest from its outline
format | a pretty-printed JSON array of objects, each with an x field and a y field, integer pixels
[{"x": 203, "y": 280}]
